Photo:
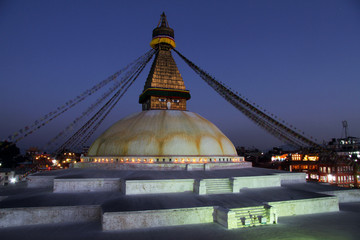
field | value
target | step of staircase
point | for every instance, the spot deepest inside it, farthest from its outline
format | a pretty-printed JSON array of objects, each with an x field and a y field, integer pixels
[
  {"x": 250, "y": 216},
  {"x": 218, "y": 186}
]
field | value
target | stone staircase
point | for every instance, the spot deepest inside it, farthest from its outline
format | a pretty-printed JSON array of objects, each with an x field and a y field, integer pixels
[
  {"x": 251, "y": 216},
  {"x": 218, "y": 186}
]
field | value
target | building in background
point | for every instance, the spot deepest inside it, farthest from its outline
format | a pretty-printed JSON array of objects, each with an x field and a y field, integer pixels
[{"x": 340, "y": 170}]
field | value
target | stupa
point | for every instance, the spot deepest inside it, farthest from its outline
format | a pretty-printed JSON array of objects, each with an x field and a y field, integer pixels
[
  {"x": 218, "y": 191},
  {"x": 164, "y": 135}
]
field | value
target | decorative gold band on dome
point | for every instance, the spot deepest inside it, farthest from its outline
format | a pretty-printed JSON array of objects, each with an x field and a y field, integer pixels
[
  {"x": 163, "y": 159},
  {"x": 162, "y": 39}
]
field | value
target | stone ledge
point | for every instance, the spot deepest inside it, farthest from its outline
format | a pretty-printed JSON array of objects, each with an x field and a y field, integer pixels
[
  {"x": 112, "y": 221},
  {"x": 12, "y": 217},
  {"x": 40, "y": 181},
  {"x": 292, "y": 177},
  {"x": 255, "y": 182},
  {"x": 87, "y": 185},
  {"x": 133, "y": 187},
  {"x": 306, "y": 206},
  {"x": 345, "y": 196}
]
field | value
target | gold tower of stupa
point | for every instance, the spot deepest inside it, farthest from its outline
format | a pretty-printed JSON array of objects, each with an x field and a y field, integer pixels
[{"x": 164, "y": 87}]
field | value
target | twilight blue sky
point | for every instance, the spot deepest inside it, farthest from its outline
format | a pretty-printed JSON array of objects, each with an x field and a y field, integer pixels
[{"x": 298, "y": 59}]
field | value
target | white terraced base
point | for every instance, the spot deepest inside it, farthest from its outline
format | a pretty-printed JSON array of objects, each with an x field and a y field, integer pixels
[{"x": 165, "y": 207}]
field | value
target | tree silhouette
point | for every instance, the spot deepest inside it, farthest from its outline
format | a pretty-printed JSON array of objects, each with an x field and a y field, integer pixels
[{"x": 9, "y": 154}]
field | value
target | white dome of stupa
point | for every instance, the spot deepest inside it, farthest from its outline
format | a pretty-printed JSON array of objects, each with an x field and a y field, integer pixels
[{"x": 163, "y": 133}]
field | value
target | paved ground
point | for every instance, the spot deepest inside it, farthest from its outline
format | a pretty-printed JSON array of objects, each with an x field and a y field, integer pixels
[{"x": 344, "y": 225}]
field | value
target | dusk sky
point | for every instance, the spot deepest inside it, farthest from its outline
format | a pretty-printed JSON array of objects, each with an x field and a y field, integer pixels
[{"x": 299, "y": 60}]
